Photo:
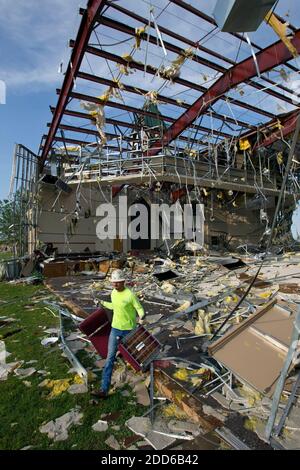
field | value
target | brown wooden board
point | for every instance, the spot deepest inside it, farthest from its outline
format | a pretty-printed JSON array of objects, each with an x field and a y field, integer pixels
[
  {"x": 52, "y": 270},
  {"x": 191, "y": 405}
]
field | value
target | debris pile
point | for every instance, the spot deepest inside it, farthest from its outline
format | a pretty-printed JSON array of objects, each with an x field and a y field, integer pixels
[
  {"x": 211, "y": 373},
  {"x": 186, "y": 300}
]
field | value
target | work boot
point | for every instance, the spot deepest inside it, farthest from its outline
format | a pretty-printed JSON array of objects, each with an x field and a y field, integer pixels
[{"x": 99, "y": 394}]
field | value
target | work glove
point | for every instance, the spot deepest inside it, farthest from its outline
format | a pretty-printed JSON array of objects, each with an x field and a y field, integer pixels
[
  {"x": 98, "y": 302},
  {"x": 141, "y": 321}
]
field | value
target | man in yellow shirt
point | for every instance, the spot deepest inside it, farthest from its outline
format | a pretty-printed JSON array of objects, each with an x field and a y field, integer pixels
[{"x": 125, "y": 306}]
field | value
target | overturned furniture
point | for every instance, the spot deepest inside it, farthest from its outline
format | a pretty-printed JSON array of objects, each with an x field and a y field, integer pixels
[
  {"x": 97, "y": 328},
  {"x": 139, "y": 348}
]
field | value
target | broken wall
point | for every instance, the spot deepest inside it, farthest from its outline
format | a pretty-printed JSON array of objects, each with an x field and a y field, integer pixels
[
  {"x": 69, "y": 226},
  {"x": 237, "y": 227},
  {"x": 69, "y": 221}
]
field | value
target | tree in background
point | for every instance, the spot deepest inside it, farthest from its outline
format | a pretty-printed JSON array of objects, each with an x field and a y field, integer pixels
[{"x": 10, "y": 222}]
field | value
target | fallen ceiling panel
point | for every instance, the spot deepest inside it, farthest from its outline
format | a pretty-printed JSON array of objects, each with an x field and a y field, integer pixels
[{"x": 255, "y": 351}]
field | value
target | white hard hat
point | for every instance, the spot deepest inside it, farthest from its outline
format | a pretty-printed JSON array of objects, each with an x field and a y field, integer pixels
[{"x": 117, "y": 276}]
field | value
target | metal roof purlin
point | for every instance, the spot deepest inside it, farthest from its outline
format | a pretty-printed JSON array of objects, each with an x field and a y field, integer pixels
[
  {"x": 242, "y": 72},
  {"x": 153, "y": 71},
  {"x": 267, "y": 59},
  {"x": 287, "y": 126},
  {"x": 197, "y": 58},
  {"x": 131, "y": 109},
  {"x": 87, "y": 131},
  {"x": 163, "y": 99},
  {"x": 94, "y": 8},
  {"x": 212, "y": 21}
]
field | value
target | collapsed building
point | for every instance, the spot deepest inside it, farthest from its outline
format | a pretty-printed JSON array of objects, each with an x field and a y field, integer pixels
[
  {"x": 165, "y": 148},
  {"x": 168, "y": 121}
]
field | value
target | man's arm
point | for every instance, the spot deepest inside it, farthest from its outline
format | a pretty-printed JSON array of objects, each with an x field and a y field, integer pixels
[
  {"x": 107, "y": 305},
  {"x": 137, "y": 305}
]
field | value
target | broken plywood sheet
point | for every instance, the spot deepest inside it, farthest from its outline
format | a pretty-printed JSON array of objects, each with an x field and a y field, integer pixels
[
  {"x": 259, "y": 283},
  {"x": 255, "y": 351},
  {"x": 277, "y": 324}
]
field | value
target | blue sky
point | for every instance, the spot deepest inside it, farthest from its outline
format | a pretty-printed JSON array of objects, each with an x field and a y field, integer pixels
[
  {"x": 34, "y": 37},
  {"x": 33, "y": 41}
]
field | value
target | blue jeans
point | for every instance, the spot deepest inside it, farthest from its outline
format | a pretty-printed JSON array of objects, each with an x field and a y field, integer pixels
[{"x": 113, "y": 342}]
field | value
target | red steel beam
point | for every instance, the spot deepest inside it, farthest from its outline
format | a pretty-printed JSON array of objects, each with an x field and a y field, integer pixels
[
  {"x": 267, "y": 59},
  {"x": 130, "y": 89},
  {"x": 268, "y": 125},
  {"x": 170, "y": 33},
  {"x": 131, "y": 109},
  {"x": 114, "y": 122},
  {"x": 81, "y": 115},
  {"x": 82, "y": 143},
  {"x": 126, "y": 29},
  {"x": 152, "y": 70},
  {"x": 196, "y": 57},
  {"x": 163, "y": 99},
  {"x": 93, "y": 11},
  {"x": 68, "y": 140},
  {"x": 83, "y": 130},
  {"x": 271, "y": 131},
  {"x": 128, "y": 125},
  {"x": 112, "y": 104},
  {"x": 288, "y": 126},
  {"x": 212, "y": 21},
  {"x": 137, "y": 65}
]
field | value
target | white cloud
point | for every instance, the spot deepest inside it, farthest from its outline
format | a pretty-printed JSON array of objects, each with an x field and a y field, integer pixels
[
  {"x": 34, "y": 40},
  {"x": 39, "y": 75}
]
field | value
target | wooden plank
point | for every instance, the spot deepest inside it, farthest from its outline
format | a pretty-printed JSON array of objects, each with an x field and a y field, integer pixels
[
  {"x": 191, "y": 405},
  {"x": 52, "y": 270}
]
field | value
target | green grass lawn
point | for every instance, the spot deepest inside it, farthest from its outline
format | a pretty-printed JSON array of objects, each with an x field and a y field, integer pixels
[{"x": 24, "y": 409}]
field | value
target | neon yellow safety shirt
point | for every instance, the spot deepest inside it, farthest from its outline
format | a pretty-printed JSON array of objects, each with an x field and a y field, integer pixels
[{"x": 125, "y": 304}]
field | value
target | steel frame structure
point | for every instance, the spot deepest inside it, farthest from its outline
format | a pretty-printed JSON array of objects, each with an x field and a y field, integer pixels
[
  {"x": 190, "y": 43},
  {"x": 134, "y": 110},
  {"x": 241, "y": 73},
  {"x": 267, "y": 59},
  {"x": 88, "y": 21},
  {"x": 23, "y": 189}
]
